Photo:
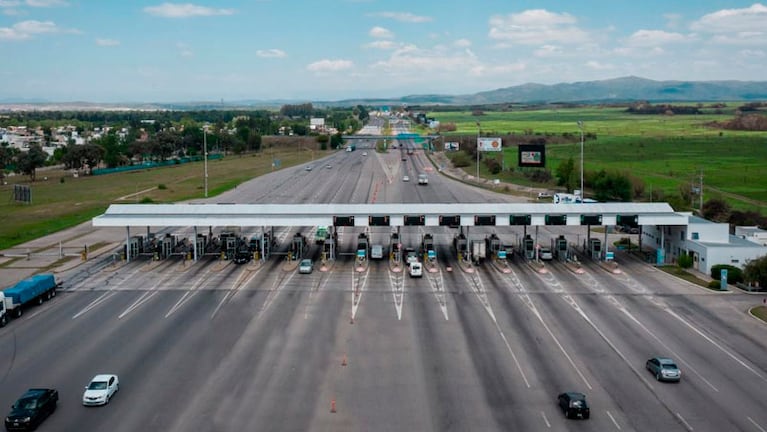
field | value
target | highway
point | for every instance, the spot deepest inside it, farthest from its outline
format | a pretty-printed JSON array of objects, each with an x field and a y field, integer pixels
[{"x": 213, "y": 346}]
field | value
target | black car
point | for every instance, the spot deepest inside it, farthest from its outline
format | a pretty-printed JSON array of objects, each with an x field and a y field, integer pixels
[
  {"x": 574, "y": 405},
  {"x": 31, "y": 409}
]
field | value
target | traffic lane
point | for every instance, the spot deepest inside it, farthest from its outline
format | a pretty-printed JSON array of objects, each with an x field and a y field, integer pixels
[
  {"x": 597, "y": 369},
  {"x": 642, "y": 337},
  {"x": 382, "y": 386},
  {"x": 714, "y": 373},
  {"x": 542, "y": 357}
]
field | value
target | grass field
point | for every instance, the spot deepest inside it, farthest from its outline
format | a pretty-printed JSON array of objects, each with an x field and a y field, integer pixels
[
  {"x": 664, "y": 151},
  {"x": 58, "y": 204}
]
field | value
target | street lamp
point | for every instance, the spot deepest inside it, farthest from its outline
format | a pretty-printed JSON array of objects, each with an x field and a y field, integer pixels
[
  {"x": 205, "y": 156},
  {"x": 580, "y": 126},
  {"x": 479, "y": 133}
]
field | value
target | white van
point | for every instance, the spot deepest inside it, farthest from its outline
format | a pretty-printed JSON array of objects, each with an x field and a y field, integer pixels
[
  {"x": 416, "y": 269},
  {"x": 376, "y": 251}
]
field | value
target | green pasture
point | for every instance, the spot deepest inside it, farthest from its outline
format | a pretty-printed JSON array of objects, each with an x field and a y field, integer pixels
[
  {"x": 665, "y": 151},
  {"x": 58, "y": 204},
  {"x": 608, "y": 121}
]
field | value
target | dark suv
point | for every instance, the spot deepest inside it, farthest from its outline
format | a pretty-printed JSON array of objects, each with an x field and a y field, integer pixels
[
  {"x": 31, "y": 409},
  {"x": 574, "y": 405}
]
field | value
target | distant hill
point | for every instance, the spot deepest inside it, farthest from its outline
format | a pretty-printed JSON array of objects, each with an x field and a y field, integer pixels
[{"x": 623, "y": 89}]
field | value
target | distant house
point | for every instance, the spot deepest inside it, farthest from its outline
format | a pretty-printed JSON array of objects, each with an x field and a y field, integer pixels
[
  {"x": 753, "y": 234},
  {"x": 317, "y": 124}
]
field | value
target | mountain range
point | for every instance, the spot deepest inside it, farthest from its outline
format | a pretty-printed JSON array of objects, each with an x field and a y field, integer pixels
[{"x": 617, "y": 90}]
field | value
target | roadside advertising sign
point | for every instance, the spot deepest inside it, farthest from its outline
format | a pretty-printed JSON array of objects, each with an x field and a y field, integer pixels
[{"x": 489, "y": 144}]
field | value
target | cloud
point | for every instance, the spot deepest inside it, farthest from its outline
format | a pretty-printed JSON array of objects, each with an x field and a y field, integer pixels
[
  {"x": 501, "y": 70},
  {"x": 411, "y": 61},
  {"x": 107, "y": 42},
  {"x": 672, "y": 19},
  {"x": 271, "y": 53},
  {"x": 380, "y": 33},
  {"x": 549, "y": 51},
  {"x": 403, "y": 17},
  {"x": 328, "y": 65},
  {"x": 593, "y": 64},
  {"x": 382, "y": 44},
  {"x": 9, "y": 3},
  {"x": 536, "y": 27},
  {"x": 752, "y": 53},
  {"x": 649, "y": 38},
  {"x": 184, "y": 10},
  {"x": 46, "y": 3},
  {"x": 733, "y": 20},
  {"x": 27, "y": 29},
  {"x": 184, "y": 50},
  {"x": 462, "y": 43}
]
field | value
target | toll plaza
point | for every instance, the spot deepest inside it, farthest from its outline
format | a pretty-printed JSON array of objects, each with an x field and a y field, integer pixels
[{"x": 327, "y": 219}]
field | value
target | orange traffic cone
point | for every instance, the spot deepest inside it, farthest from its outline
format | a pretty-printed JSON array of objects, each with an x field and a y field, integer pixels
[
  {"x": 343, "y": 362},
  {"x": 333, "y": 406}
]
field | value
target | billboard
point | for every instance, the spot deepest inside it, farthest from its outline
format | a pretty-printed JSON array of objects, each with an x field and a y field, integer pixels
[
  {"x": 489, "y": 144},
  {"x": 452, "y": 146},
  {"x": 532, "y": 155}
]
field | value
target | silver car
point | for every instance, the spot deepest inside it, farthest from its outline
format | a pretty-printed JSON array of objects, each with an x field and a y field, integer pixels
[
  {"x": 664, "y": 369},
  {"x": 305, "y": 266}
]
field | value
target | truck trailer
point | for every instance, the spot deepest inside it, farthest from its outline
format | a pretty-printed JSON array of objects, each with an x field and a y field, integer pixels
[{"x": 33, "y": 290}]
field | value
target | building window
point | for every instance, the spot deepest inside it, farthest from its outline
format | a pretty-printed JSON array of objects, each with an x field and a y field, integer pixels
[
  {"x": 681, "y": 235},
  {"x": 695, "y": 236}
]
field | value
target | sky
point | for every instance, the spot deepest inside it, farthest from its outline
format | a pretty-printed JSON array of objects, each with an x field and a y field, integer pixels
[{"x": 113, "y": 51}]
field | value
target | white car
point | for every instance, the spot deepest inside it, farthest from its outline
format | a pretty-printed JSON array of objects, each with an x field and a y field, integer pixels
[
  {"x": 305, "y": 266},
  {"x": 405, "y": 178},
  {"x": 416, "y": 269},
  {"x": 101, "y": 389},
  {"x": 423, "y": 179},
  {"x": 364, "y": 153},
  {"x": 545, "y": 254}
]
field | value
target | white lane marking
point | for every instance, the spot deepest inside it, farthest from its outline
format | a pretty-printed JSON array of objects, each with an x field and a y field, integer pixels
[
  {"x": 713, "y": 342},
  {"x": 668, "y": 349},
  {"x": 357, "y": 293},
  {"x": 545, "y": 420},
  {"x": 617, "y": 426},
  {"x": 761, "y": 429},
  {"x": 397, "y": 282},
  {"x": 94, "y": 303},
  {"x": 139, "y": 301},
  {"x": 275, "y": 289},
  {"x": 684, "y": 422},
  {"x": 476, "y": 283},
  {"x": 230, "y": 293},
  {"x": 437, "y": 283}
]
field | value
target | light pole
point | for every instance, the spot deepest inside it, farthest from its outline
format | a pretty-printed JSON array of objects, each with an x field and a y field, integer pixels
[
  {"x": 580, "y": 126},
  {"x": 479, "y": 134},
  {"x": 205, "y": 156}
]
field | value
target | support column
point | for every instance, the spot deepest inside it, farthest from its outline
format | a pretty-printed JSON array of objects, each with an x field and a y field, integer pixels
[
  {"x": 127, "y": 244},
  {"x": 194, "y": 244}
]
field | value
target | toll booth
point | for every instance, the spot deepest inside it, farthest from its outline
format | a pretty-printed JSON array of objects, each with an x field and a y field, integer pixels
[
  {"x": 164, "y": 247},
  {"x": 134, "y": 247},
  {"x": 427, "y": 247},
  {"x": 200, "y": 244},
  {"x": 560, "y": 248},
  {"x": 461, "y": 246},
  {"x": 595, "y": 248},
  {"x": 493, "y": 245},
  {"x": 528, "y": 245},
  {"x": 254, "y": 245},
  {"x": 298, "y": 246},
  {"x": 329, "y": 245},
  {"x": 228, "y": 244},
  {"x": 267, "y": 244},
  {"x": 396, "y": 253},
  {"x": 363, "y": 246}
]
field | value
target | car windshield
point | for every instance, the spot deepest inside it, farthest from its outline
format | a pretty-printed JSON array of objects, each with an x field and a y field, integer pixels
[
  {"x": 26, "y": 404},
  {"x": 97, "y": 385},
  {"x": 306, "y": 263},
  {"x": 669, "y": 366}
]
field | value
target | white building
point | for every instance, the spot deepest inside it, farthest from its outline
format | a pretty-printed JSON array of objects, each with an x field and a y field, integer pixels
[
  {"x": 752, "y": 234},
  {"x": 708, "y": 243}
]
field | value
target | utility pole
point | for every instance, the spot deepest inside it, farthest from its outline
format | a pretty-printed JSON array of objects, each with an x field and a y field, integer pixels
[
  {"x": 580, "y": 126},
  {"x": 700, "y": 191},
  {"x": 205, "y": 156},
  {"x": 479, "y": 134}
]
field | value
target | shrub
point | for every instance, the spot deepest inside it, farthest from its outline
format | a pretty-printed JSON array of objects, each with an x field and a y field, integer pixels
[
  {"x": 714, "y": 284},
  {"x": 684, "y": 261},
  {"x": 162, "y": 186},
  {"x": 146, "y": 200},
  {"x": 734, "y": 274}
]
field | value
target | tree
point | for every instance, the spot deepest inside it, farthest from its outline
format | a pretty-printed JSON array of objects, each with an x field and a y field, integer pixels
[
  {"x": 755, "y": 271},
  {"x": 566, "y": 174},
  {"x": 7, "y": 156},
  {"x": 716, "y": 210},
  {"x": 29, "y": 161},
  {"x": 611, "y": 186}
]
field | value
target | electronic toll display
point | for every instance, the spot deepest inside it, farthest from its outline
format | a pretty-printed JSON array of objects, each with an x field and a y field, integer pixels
[
  {"x": 378, "y": 220},
  {"x": 343, "y": 221},
  {"x": 481, "y": 220},
  {"x": 591, "y": 219},
  {"x": 414, "y": 220},
  {"x": 520, "y": 219},
  {"x": 556, "y": 219},
  {"x": 631, "y": 221},
  {"x": 451, "y": 221}
]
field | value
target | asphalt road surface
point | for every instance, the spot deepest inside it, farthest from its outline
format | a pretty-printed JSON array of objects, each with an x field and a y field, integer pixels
[{"x": 213, "y": 346}]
